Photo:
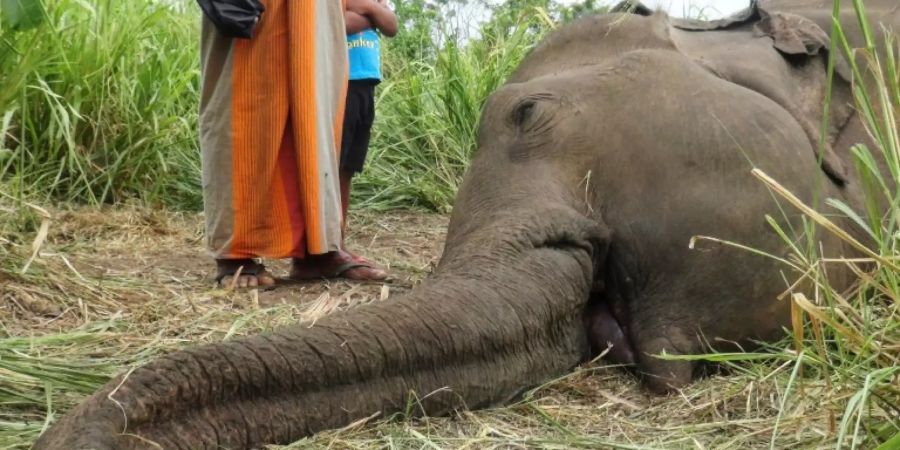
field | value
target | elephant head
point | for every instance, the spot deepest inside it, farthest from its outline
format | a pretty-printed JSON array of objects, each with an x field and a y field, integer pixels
[{"x": 618, "y": 138}]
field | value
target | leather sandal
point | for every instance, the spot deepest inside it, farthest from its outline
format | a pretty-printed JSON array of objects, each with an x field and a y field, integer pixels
[
  {"x": 320, "y": 267},
  {"x": 235, "y": 268}
]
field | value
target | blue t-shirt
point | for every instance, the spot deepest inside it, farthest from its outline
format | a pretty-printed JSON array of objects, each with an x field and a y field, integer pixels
[{"x": 364, "y": 51}]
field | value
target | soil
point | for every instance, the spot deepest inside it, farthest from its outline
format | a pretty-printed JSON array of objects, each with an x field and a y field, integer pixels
[
  {"x": 139, "y": 281},
  {"x": 407, "y": 244},
  {"x": 130, "y": 261}
]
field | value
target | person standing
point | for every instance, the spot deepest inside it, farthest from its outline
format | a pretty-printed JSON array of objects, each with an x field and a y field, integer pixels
[
  {"x": 365, "y": 20},
  {"x": 271, "y": 113}
]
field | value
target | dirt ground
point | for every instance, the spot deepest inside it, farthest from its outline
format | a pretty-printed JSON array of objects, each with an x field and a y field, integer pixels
[
  {"x": 161, "y": 256},
  {"x": 134, "y": 283}
]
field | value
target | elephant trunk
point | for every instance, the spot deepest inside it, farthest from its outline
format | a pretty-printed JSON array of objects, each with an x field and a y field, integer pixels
[{"x": 489, "y": 324}]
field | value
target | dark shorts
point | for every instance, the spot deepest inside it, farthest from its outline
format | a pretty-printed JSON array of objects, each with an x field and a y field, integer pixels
[{"x": 358, "y": 117}]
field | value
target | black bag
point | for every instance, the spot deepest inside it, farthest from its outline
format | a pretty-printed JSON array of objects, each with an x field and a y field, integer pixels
[{"x": 233, "y": 18}]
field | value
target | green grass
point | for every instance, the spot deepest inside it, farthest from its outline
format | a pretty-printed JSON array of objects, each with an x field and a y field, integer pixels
[
  {"x": 856, "y": 335},
  {"x": 101, "y": 106},
  {"x": 107, "y": 109},
  {"x": 849, "y": 341},
  {"x": 98, "y": 105},
  {"x": 428, "y": 114}
]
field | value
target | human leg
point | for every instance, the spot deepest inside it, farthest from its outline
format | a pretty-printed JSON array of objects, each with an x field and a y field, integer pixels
[
  {"x": 243, "y": 123},
  {"x": 358, "y": 115}
]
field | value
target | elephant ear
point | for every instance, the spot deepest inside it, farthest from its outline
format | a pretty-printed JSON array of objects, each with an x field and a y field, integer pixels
[
  {"x": 799, "y": 40},
  {"x": 795, "y": 35},
  {"x": 792, "y": 34}
]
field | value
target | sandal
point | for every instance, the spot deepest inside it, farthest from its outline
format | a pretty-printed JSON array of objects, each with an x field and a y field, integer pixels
[
  {"x": 335, "y": 265},
  {"x": 236, "y": 268}
]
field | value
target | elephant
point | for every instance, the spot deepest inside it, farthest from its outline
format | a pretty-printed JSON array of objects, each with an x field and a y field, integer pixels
[{"x": 616, "y": 140}]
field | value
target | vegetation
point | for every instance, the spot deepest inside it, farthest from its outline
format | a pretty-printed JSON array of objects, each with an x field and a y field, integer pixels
[
  {"x": 106, "y": 105},
  {"x": 101, "y": 102},
  {"x": 98, "y": 107},
  {"x": 429, "y": 105},
  {"x": 848, "y": 342}
]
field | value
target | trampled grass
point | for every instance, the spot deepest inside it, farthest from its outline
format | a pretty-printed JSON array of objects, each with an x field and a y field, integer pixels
[
  {"x": 135, "y": 283},
  {"x": 96, "y": 110}
]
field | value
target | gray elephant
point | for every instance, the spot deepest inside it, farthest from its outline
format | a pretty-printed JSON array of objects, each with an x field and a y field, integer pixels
[{"x": 618, "y": 138}]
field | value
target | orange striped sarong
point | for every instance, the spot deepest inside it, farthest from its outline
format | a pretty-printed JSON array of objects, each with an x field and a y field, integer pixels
[{"x": 270, "y": 118}]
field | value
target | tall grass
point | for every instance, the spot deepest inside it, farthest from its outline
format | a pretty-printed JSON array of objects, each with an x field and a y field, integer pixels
[
  {"x": 107, "y": 111},
  {"x": 16, "y": 63},
  {"x": 428, "y": 113},
  {"x": 101, "y": 105},
  {"x": 857, "y": 334},
  {"x": 845, "y": 345}
]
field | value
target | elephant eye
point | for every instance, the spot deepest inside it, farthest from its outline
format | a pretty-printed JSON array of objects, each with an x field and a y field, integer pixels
[
  {"x": 523, "y": 112},
  {"x": 532, "y": 112}
]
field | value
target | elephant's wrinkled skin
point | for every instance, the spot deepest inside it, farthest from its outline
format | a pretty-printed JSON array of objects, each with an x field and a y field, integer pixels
[{"x": 616, "y": 141}]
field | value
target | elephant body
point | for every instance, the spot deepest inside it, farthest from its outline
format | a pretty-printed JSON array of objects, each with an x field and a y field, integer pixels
[{"x": 617, "y": 140}]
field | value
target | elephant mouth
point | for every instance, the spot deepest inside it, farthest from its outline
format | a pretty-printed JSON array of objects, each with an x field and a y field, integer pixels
[
  {"x": 605, "y": 312},
  {"x": 569, "y": 244},
  {"x": 607, "y": 331},
  {"x": 606, "y": 318}
]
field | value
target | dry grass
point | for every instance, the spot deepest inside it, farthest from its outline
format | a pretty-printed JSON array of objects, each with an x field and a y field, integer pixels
[{"x": 113, "y": 288}]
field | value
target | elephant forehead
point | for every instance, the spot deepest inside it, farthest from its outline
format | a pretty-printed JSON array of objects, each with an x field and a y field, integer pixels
[
  {"x": 593, "y": 40},
  {"x": 529, "y": 111},
  {"x": 645, "y": 92},
  {"x": 572, "y": 82},
  {"x": 613, "y": 75},
  {"x": 564, "y": 106},
  {"x": 603, "y": 109}
]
